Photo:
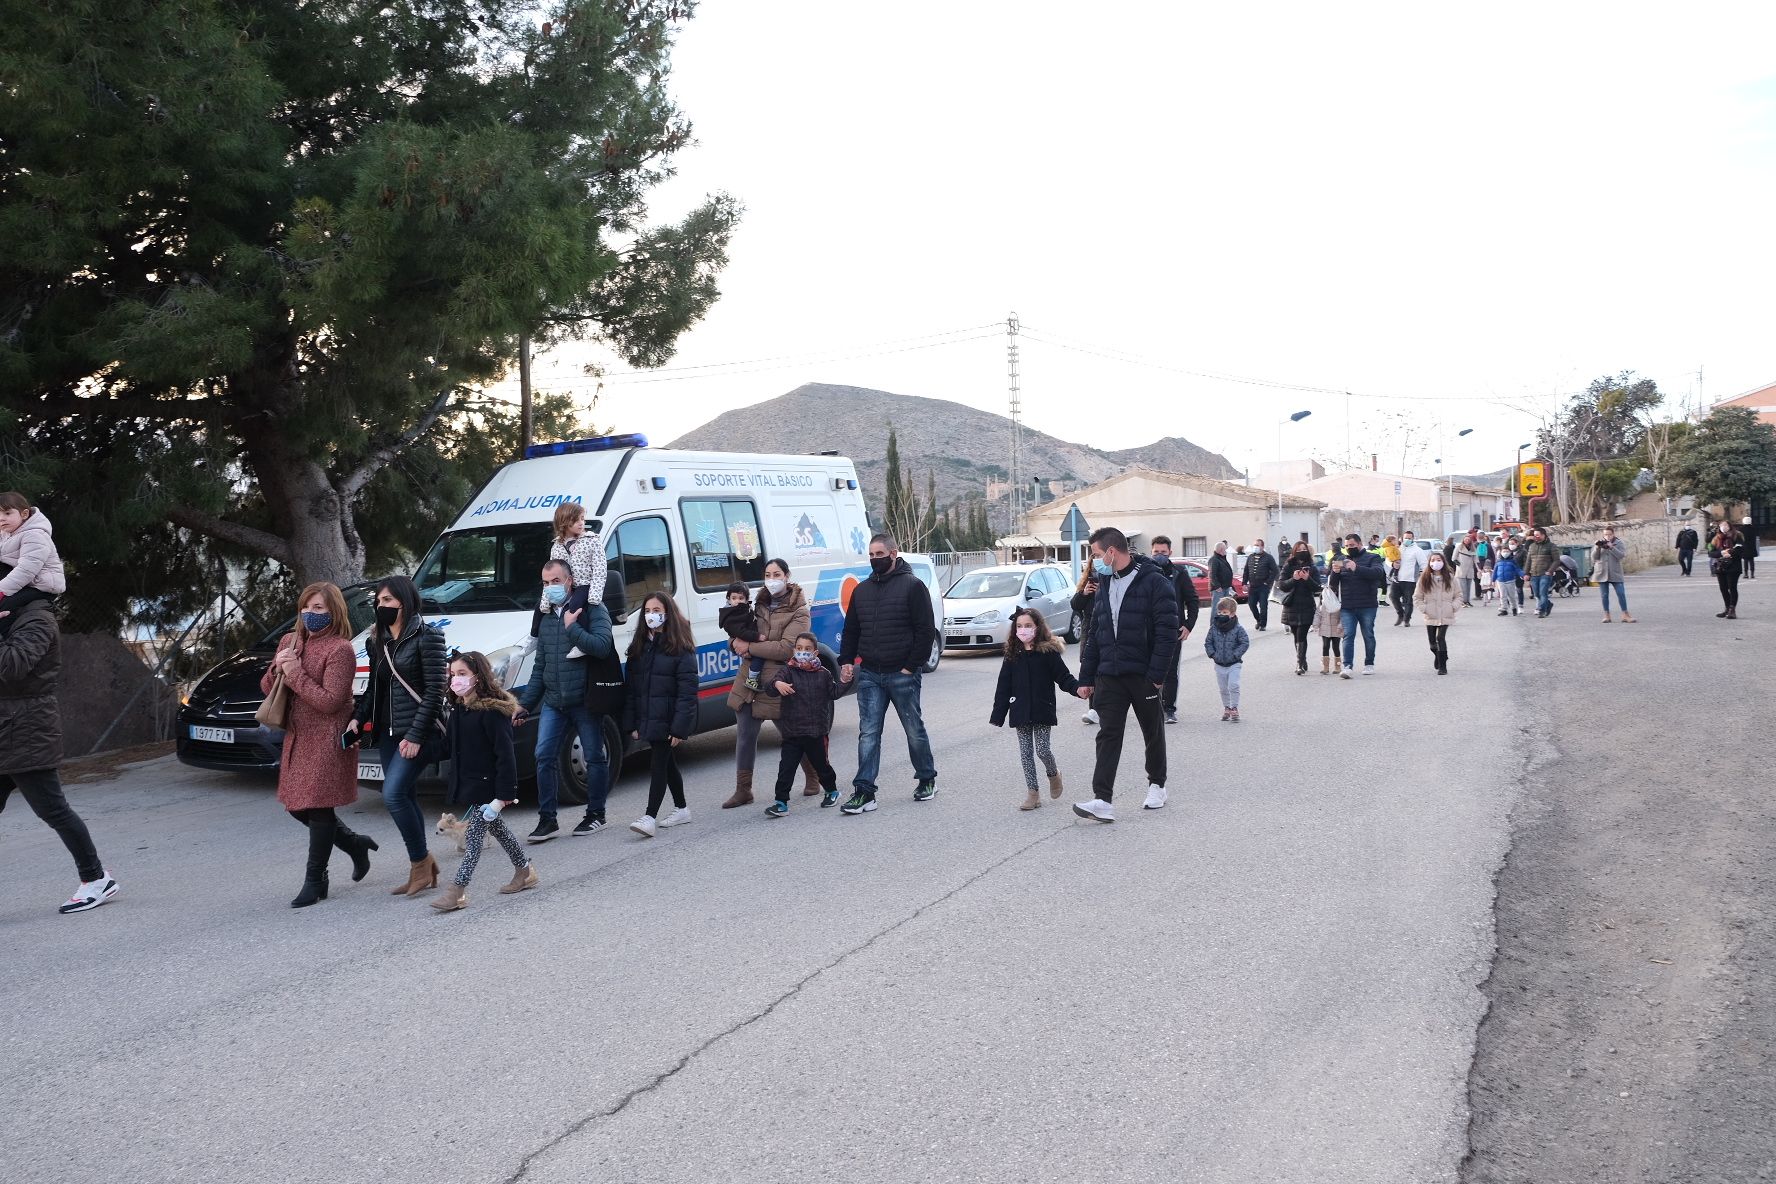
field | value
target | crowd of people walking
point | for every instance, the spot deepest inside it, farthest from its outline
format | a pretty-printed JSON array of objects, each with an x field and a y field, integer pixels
[{"x": 424, "y": 703}]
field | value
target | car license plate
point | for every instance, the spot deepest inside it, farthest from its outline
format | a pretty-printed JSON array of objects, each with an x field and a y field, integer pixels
[
  {"x": 369, "y": 772},
  {"x": 962, "y": 633},
  {"x": 218, "y": 735}
]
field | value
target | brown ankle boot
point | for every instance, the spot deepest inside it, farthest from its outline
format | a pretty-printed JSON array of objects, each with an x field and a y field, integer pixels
[
  {"x": 522, "y": 878},
  {"x": 810, "y": 779},
  {"x": 455, "y": 897},
  {"x": 742, "y": 790},
  {"x": 1033, "y": 802},
  {"x": 1054, "y": 785},
  {"x": 1337, "y": 663},
  {"x": 1325, "y": 663},
  {"x": 421, "y": 874}
]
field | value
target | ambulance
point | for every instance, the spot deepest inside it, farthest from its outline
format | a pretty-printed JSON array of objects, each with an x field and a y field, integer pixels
[{"x": 683, "y": 523}]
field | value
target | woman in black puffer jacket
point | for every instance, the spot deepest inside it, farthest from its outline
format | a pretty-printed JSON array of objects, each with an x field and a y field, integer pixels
[
  {"x": 661, "y": 706},
  {"x": 1300, "y": 584},
  {"x": 404, "y": 708}
]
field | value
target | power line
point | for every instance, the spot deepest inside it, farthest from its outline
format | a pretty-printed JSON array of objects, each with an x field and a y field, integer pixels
[
  {"x": 892, "y": 345},
  {"x": 635, "y": 377}
]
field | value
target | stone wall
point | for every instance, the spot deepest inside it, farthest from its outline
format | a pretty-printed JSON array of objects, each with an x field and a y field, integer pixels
[{"x": 1650, "y": 540}]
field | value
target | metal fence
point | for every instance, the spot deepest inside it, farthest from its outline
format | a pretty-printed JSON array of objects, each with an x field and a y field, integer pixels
[{"x": 953, "y": 565}]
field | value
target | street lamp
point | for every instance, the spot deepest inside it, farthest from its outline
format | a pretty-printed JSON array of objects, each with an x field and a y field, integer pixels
[
  {"x": 1296, "y": 418},
  {"x": 1450, "y": 521},
  {"x": 1516, "y": 473}
]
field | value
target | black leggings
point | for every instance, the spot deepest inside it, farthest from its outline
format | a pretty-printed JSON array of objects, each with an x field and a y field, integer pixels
[
  {"x": 1301, "y": 629},
  {"x": 18, "y": 600},
  {"x": 1331, "y": 647},
  {"x": 43, "y": 793},
  {"x": 664, "y": 774},
  {"x": 1729, "y": 586},
  {"x": 1439, "y": 637}
]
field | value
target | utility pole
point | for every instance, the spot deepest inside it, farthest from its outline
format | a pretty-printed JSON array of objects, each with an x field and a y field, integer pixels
[
  {"x": 524, "y": 409},
  {"x": 1016, "y": 492}
]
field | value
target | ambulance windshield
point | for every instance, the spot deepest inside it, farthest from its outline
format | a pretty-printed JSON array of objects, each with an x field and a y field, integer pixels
[{"x": 491, "y": 570}]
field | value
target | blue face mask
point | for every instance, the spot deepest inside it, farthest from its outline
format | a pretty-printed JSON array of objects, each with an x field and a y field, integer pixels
[
  {"x": 1102, "y": 567},
  {"x": 315, "y": 622},
  {"x": 556, "y": 594}
]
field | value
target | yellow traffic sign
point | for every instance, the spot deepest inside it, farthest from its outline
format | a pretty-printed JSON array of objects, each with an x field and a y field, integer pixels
[{"x": 1532, "y": 478}]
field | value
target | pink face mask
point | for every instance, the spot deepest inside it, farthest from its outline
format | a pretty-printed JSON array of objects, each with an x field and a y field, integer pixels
[
  {"x": 1027, "y": 634},
  {"x": 462, "y": 684}
]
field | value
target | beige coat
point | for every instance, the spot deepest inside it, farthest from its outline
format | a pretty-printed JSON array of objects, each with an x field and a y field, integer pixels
[
  {"x": 778, "y": 626},
  {"x": 1436, "y": 604}
]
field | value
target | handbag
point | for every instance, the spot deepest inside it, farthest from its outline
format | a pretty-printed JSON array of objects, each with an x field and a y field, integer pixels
[{"x": 275, "y": 711}]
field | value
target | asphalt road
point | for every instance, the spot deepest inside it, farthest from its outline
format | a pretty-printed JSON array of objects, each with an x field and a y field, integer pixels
[{"x": 1276, "y": 978}]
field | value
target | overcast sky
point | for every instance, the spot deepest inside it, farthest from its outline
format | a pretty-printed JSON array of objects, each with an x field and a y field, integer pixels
[{"x": 1467, "y": 209}]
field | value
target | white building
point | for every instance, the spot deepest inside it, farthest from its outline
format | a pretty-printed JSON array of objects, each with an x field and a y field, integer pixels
[
  {"x": 1194, "y": 512},
  {"x": 1371, "y": 502}
]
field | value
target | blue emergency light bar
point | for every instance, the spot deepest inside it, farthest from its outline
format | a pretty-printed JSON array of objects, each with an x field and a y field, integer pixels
[{"x": 590, "y": 444}]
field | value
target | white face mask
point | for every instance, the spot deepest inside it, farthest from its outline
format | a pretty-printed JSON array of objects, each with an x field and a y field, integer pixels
[
  {"x": 1436, "y": 565},
  {"x": 776, "y": 587},
  {"x": 654, "y": 620}
]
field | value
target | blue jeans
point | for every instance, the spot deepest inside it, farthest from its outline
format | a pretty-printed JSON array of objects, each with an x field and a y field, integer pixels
[
  {"x": 874, "y": 693},
  {"x": 1621, "y": 594},
  {"x": 552, "y": 728},
  {"x": 1351, "y": 618},
  {"x": 1544, "y": 592},
  {"x": 399, "y": 777}
]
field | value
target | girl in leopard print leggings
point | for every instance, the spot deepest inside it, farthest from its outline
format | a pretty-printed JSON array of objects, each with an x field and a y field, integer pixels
[
  {"x": 1034, "y": 667},
  {"x": 483, "y": 772}
]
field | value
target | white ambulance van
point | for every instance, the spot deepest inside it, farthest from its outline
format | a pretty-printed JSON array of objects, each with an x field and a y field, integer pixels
[{"x": 684, "y": 523}]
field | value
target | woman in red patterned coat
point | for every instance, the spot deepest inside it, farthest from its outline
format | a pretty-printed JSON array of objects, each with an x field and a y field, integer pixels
[{"x": 318, "y": 775}]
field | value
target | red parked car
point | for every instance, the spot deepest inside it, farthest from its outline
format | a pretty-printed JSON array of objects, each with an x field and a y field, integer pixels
[{"x": 1199, "y": 573}]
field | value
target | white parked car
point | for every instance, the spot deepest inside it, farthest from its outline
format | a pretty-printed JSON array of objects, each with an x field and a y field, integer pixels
[{"x": 977, "y": 609}]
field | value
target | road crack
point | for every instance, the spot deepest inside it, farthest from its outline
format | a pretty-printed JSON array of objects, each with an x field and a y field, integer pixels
[{"x": 531, "y": 1159}]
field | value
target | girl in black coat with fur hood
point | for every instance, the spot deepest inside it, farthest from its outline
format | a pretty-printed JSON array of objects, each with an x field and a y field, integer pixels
[
  {"x": 661, "y": 705},
  {"x": 1032, "y": 670},
  {"x": 483, "y": 772}
]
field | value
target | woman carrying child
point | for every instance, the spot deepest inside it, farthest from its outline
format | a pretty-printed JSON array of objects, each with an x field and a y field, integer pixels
[
  {"x": 782, "y": 613},
  {"x": 661, "y": 707},
  {"x": 1032, "y": 669},
  {"x": 1227, "y": 644},
  {"x": 30, "y": 568},
  {"x": 807, "y": 690},
  {"x": 483, "y": 773}
]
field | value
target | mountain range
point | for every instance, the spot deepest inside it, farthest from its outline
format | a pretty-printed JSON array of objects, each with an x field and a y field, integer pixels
[{"x": 962, "y": 446}]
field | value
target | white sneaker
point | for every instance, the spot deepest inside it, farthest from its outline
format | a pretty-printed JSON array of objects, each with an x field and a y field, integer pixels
[
  {"x": 643, "y": 826},
  {"x": 91, "y": 894},
  {"x": 1368, "y": 670},
  {"x": 678, "y": 817},
  {"x": 1096, "y": 808},
  {"x": 1156, "y": 798},
  {"x": 1090, "y": 717}
]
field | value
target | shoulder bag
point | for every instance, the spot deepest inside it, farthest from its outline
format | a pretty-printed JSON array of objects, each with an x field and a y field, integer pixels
[
  {"x": 275, "y": 711},
  {"x": 418, "y": 699}
]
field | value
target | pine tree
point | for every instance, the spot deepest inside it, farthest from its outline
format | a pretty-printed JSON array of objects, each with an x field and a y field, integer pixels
[{"x": 255, "y": 258}]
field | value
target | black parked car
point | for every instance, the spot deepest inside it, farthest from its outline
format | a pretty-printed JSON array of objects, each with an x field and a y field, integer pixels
[{"x": 216, "y": 728}]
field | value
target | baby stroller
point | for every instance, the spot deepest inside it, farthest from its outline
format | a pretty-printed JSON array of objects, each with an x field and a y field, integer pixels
[{"x": 1566, "y": 577}]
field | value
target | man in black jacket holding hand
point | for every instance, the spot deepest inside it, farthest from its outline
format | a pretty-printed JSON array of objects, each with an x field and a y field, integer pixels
[
  {"x": 1134, "y": 641},
  {"x": 1189, "y": 605},
  {"x": 889, "y": 633}
]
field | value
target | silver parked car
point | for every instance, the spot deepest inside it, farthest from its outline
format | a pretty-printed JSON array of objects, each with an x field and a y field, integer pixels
[{"x": 978, "y": 607}]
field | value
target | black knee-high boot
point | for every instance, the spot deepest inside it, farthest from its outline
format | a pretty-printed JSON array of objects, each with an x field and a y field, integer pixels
[
  {"x": 355, "y": 845},
  {"x": 322, "y": 827}
]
